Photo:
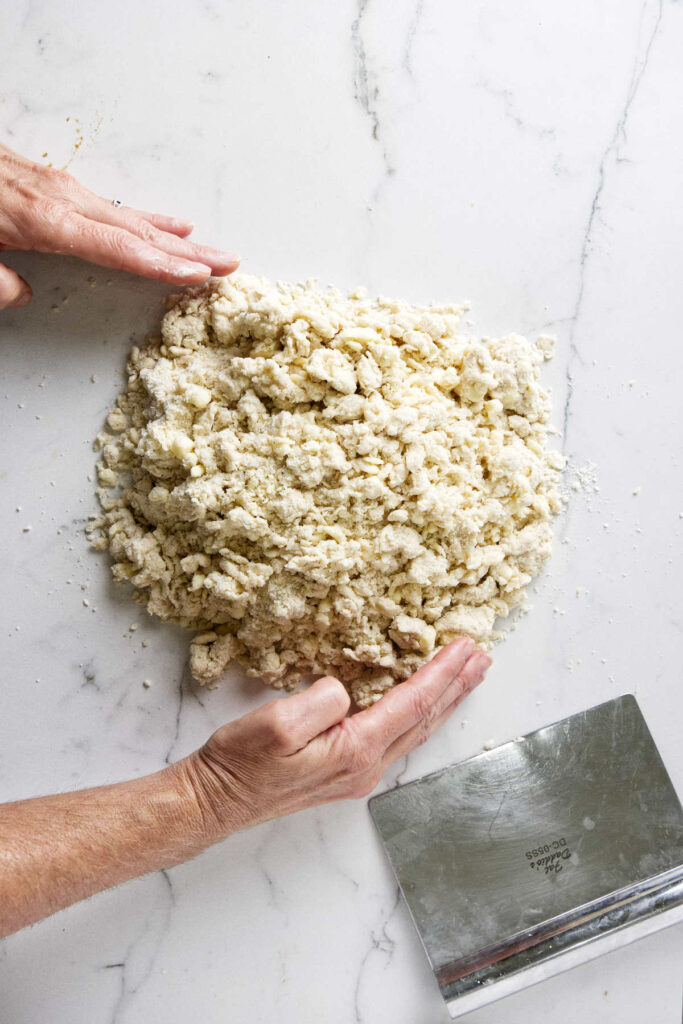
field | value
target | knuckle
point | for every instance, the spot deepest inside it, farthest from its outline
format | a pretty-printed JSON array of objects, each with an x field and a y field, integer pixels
[
  {"x": 121, "y": 241},
  {"x": 146, "y": 231},
  {"x": 64, "y": 181},
  {"x": 56, "y": 211},
  {"x": 424, "y": 731},
  {"x": 422, "y": 706},
  {"x": 278, "y": 725},
  {"x": 53, "y": 226},
  {"x": 123, "y": 246}
]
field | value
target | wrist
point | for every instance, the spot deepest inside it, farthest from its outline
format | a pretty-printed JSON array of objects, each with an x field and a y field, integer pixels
[
  {"x": 204, "y": 794},
  {"x": 179, "y": 809},
  {"x": 167, "y": 813}
]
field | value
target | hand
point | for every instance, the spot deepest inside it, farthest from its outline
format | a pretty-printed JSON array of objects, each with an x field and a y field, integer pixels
[
  {"x": 292, "y": 753},
  {"x": 49, "y": 211},
  {"x": 302, "y": 750}
]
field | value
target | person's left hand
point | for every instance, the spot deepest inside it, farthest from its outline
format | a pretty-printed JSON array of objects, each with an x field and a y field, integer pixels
[{"x": 49, "y": 211}]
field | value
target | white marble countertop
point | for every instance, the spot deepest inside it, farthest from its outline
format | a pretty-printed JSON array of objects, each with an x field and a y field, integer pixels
[{"x": 527, "y": 157}]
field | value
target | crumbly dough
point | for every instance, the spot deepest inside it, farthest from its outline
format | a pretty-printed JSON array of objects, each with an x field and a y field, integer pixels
[{"x": 317, "y": 483}]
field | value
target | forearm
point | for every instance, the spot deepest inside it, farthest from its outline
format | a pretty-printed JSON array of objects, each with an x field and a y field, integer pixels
[
  {"x": 289, "y": 754},
  {"x": 55, "y": 850}
]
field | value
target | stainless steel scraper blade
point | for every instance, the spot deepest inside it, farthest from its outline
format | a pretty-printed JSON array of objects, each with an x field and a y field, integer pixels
[{"x": 538, "y": 855}]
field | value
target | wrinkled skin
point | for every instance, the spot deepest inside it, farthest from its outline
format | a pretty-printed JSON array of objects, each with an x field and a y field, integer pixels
[
  {"x": 49, "y": 211},
  {"x": 292, "y": 753},
  {"x": 303, "y": 750}
]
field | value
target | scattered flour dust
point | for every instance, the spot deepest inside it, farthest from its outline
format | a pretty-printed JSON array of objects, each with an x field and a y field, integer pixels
[{"x": 316, "y": 483}]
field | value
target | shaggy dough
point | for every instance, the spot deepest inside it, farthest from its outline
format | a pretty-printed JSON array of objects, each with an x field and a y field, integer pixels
[{"x": 317, "y": 483}]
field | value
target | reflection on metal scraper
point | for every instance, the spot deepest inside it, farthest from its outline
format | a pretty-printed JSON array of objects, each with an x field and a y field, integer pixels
[{"x": 538, "y": 855}]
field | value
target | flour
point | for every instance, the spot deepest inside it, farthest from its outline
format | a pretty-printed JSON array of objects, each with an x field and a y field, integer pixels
[{"x": 316, "y": 483}]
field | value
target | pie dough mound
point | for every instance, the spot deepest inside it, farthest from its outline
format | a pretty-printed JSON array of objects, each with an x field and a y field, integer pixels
[{"x": 318, "y": 483}]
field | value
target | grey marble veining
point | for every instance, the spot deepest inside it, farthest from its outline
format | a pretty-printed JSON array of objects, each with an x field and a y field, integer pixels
[{"x": 528, "y": 158}]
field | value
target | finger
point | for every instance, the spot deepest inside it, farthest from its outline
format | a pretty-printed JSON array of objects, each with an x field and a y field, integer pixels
[
  {"x": 407, "y": 704},
  {"x": 181, "y": 228},
  {"x": 139, "y": 224},
  {"x": 14, "y": 291},
  {"x": 445, "y": 715},
  {"x": 113, "y": 247},
  {"x": 469, "y": 678},
  {"x": 92, "y": 205},
  {"x": 291, "y": 723}
]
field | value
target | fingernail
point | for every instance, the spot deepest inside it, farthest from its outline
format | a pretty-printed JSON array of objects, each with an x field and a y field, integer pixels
[
  {"x": 23, "y": 300},
  {"x": 468, "y": 645}
]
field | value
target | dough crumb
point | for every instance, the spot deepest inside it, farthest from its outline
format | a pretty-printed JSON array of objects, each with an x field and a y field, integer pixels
[{"x": 319, "y": 483}]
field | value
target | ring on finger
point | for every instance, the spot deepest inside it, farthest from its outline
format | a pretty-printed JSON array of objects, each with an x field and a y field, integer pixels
[{"x": 116, "y": 203}]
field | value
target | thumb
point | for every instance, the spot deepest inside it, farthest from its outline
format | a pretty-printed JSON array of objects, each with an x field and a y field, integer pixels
[
  {"x": 291, "y": 723},
  {"x": 317, "y": 709},
  {"x": 14, "y": 291}
]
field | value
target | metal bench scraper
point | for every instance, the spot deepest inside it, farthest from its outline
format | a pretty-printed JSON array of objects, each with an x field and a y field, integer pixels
[{"x": 538, "y": 855}]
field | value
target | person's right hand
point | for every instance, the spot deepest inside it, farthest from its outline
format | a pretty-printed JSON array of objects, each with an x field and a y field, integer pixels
[
  {"x": 302, "y": 750},
  {"x": 49, "y": 211},
  {"x": 292, "y": 753}
]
